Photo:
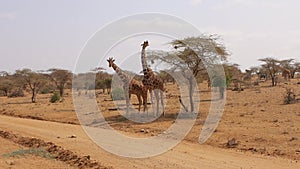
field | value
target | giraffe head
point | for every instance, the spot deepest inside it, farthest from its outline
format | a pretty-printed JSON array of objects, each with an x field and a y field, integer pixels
[
  {"x": 110, "y": 61},
  {"x": 145, "y": 44}
]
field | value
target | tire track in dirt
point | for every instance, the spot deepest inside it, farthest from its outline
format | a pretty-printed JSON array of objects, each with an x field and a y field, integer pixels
[
  {"x": 56, "y": 151},
  {"x": 36, "y": 118}
]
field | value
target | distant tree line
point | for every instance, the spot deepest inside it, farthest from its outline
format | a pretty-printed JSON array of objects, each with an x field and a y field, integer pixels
[{"x": 48, "y": 81}]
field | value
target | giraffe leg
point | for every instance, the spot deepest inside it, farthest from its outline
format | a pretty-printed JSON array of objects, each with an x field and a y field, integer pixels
[
  {"x": 151, "y": 99},
  {"x": 127, "y": 95},
  {"x": 157, "y": 101},
  {"x": 162, "y": 101},
  {"x": 145, "y": 103},
  {"x": 140, "y": 101}
]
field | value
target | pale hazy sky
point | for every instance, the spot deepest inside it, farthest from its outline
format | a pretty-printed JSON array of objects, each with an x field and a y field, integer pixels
[{"x": 41, "y": 34}]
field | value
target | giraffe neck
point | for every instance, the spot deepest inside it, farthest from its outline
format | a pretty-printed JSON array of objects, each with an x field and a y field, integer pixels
[
  {"x": 144, "y": 62},
  {"x": 146, "y": 69},
  {"x": 124, "y": 77}
]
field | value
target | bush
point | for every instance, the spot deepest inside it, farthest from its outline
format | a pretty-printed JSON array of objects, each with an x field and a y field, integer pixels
[
  {"x": 46, "y": 91},
  {"x": 34, "y": 151},
  {"x": 290, "y": 96},
  {"x": 55, "y": 97},
  {"x": 228, "y": 80},
  {"x": 100, "y": 85},
  {"x": 17, "y": 93},
  {"x": 118, "y": 94}
]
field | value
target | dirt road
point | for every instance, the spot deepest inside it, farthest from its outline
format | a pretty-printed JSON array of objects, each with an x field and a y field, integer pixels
[{"x": 185, "y": 155}]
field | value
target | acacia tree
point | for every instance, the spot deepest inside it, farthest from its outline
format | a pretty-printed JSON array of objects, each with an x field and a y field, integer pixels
[
  {"x": 294, "y": 67},
  {"x": 60, "y": 77},
  {"x": 99, "y": 73},
  {"x": 194, "y": 54},
  {"x": 107, "y": 83},
  {"x": 232, "y": 70},
  {"x": 257, "y": 70},
  {"x": 6, "y": 84},
  {"x": 272, "y": 67},
  {"x": 103, "y": 79},
  {"x": 101, "y": 85},
  {"x": 31, "y": 79}
]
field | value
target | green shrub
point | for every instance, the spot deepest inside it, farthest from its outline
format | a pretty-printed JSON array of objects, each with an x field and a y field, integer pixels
[
  {"x": 33, "y": 151},
  {"x": 55, "y": 97},
  {"x": 118, "y": 94},
  {"x": 228, "y": 80}
]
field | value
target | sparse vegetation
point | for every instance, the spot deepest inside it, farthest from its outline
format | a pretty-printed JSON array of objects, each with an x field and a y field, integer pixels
[
  {"x": 6, "y": 85},
  {"x": 46, "y": 90},
  {"x": 16, "y": 93},
  {"x": 61, "y": 78},
  {"x": 55, "y": 97},
  {"x": 232, "y": 143},
  {"x": 32, "y": 151},
  {"x": 107, "y": 83},
  {"x": 290, "y": 96},
  {"x": 272, "y": 67},
  {"x": 118, "y": 94},
  {"x": 33, "y": 80}
]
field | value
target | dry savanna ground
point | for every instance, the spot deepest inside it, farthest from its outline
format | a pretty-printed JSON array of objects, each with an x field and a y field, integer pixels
[{"x": 255, "y": 123}]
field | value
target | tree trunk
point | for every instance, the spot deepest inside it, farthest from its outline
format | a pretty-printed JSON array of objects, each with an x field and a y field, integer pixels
[
  {"x": 5, "y": 92},
  {"x": 61, "y": 91},
  {"x": 191, "y": 93},
  {"x": 274, "y": 83},
  {"x": 33, "y": 96}
]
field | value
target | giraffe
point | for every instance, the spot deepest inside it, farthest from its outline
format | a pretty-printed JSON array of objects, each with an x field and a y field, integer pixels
[
  {"x": 130, "y": 86},
  {"x": 286, "y": 73},
  {"x": 151, "y": 81}
]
